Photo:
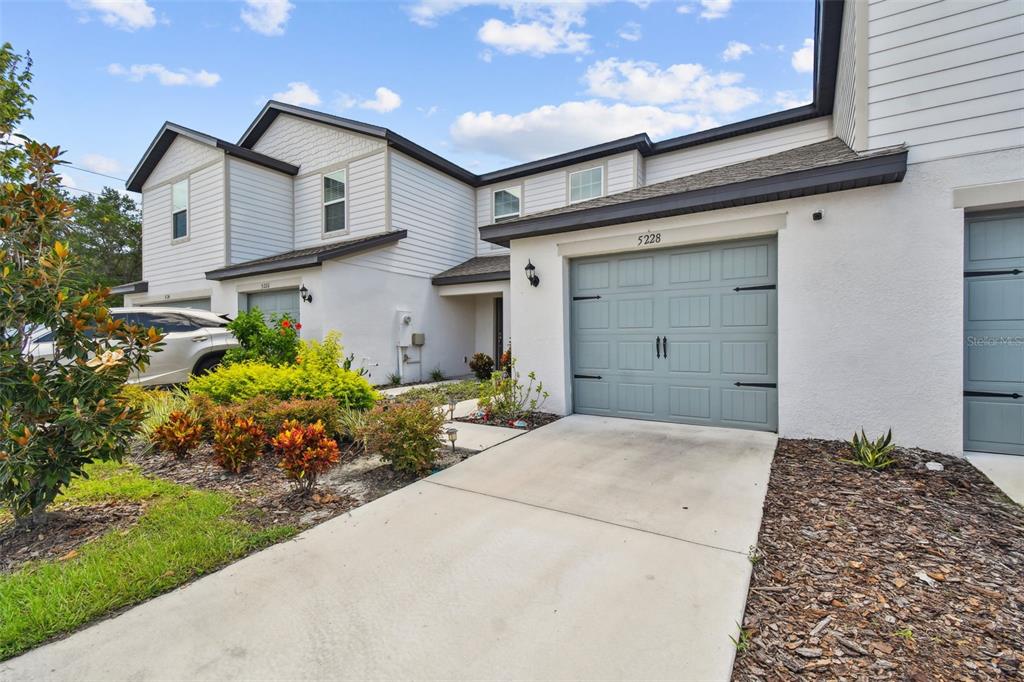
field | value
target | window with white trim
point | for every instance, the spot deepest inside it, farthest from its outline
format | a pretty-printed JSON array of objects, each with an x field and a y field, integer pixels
[
  {"x": 334, "y": 201},
  {"x": 586, "y": 184},
  {"x": 506, "y": 203},
  {"x": 179, "y": 209}
]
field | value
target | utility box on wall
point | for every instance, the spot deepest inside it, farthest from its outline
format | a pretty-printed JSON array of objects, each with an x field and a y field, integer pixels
[
  {"x": 404, "y": 321},
  {"x": 419, "y": 338}
]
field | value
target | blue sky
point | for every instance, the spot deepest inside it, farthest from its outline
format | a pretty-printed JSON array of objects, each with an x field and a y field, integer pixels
[{"x": 485, "y": 84}]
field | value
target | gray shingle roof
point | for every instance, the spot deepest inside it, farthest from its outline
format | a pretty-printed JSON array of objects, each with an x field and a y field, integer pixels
[
  {"x": 301, "y": 258},
  {"x": 812, "y": 169},
  {"x": 479, "y": 269}
]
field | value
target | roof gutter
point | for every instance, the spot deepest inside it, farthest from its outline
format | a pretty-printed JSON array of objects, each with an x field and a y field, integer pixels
[
  {"x": 499, "y": 276},
  {"x": 876, "y": 170}
]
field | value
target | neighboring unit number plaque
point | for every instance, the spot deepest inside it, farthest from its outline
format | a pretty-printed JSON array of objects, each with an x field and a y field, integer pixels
[{"x": 648, "y": 239}]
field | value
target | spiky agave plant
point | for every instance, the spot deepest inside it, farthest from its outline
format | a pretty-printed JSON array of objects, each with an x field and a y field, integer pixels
[{"x": 872, "y": 454}]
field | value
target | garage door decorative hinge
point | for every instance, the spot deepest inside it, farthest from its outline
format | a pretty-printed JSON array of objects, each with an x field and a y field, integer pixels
[
  {"x": 762, "y": 287},
  {"x": 740, "y": 383},
  {"x": 988, "y": 394},
  {"x": 585, "y": 298},
  {"x": 987, "y": 273},
  {"x": 586, "y": 376}
]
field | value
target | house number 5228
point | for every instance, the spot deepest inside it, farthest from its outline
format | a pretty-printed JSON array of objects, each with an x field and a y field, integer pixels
[{"x": 648, "y": 239}]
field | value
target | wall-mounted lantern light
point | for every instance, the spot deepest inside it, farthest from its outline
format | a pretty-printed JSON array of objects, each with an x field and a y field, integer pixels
[
  {"x": 531, "y": 274},
  {"x": 305, "y": 295}
]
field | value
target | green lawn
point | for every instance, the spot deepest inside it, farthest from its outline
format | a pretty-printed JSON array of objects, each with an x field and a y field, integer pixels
[
  {"x": 438, "y": 395},
  {"x": 184, "y": 533}
]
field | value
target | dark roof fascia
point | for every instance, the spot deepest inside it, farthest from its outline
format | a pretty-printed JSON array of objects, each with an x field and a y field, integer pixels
[
  {"x": 131, "y": 288},
  {"x": 640, "y": 142},
  {"x": 167, "y": 134},
  {"x": 875, "y": 170},
  {"x": 305, "y": 260},
  {"x": 828, "y": 30},
  {"x": 499, "y": 276}
]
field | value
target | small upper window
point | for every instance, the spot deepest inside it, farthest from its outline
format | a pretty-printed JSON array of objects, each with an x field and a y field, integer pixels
[
  {"x": 586, "y": 184},
  {"x": 334, "y": 201},
  {"x": 179, "y": 209},
  {"x": 506, "y": 203}
]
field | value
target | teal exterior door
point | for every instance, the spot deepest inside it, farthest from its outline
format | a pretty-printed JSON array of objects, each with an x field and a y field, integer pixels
[
  {"x": 683, "y": 335},
  {"x": 273, "y": 303},
  {"x": 994, "y": 333}
]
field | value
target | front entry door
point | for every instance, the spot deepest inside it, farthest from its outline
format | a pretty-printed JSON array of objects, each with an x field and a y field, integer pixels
[
  {"x": 994, "y": 333},
  {"x": 684, "y": 335}
]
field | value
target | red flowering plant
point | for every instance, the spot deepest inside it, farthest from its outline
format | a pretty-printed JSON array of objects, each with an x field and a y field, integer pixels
[{"x": 306, "y": 452}]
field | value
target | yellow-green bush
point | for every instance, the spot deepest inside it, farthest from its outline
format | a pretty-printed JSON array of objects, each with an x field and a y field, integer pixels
[{"x": 243, "y": 381}]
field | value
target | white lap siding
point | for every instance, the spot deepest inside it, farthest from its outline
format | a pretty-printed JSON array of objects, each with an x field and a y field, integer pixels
[{"x": 260, "y": 203}]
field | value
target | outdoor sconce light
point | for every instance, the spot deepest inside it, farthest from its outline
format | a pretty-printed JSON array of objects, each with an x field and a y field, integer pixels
[
  {"x": 531, "y": 274},
  {"x": 305, "y": 295},
  {"x": 452, "y": 434}
]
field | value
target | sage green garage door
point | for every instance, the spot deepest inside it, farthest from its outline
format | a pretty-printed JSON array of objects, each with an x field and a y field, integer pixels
[
  {"x": 271, "y": 303},
  {"x": 994, "y": 333},
  {"x": 684, "y": 335}
]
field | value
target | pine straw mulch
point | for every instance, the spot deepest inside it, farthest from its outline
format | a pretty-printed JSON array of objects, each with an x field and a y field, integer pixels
[
  {"x": 534, "y": 421},
  {"x": 904, "y": 573},
  {"x": 66, "y": 529}
]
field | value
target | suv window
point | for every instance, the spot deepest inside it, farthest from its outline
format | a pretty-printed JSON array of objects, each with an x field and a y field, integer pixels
[{"x": 166, "y": 323}]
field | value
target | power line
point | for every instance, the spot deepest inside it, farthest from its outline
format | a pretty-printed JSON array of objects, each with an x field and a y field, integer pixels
[
  {"x": 104, "y": 175},
  {"x": 76, "y": 189}
]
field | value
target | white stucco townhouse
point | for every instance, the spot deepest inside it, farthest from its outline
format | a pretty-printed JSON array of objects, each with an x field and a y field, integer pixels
[{"x": 855, "y": 262}]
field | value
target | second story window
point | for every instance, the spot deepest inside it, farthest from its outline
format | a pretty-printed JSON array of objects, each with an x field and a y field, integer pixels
[
  {"x": 586, "y": 184},
  {"x": 334, "y": 201},
  {"x": 179, "y": 209},
  {"x": 506, "y": 203}
]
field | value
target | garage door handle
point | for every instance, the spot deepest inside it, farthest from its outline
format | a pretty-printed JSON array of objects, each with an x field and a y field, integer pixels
[
  {"x": 760, "y": 287},
  {"x": 657, "y": 346},
  {"x": 664, "y": 346},
  {"x": 585, "y": 376},
  {"x": 987, "y": 394},
  {"x": 986, "y": 273},
  {"x": 740, "y": 383}
]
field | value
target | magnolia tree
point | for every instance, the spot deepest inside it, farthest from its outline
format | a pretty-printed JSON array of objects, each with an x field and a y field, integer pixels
[{"x": 57, "y": 412}]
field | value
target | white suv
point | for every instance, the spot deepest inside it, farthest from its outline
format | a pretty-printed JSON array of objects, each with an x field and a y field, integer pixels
[{"x": 194, "y": 342}]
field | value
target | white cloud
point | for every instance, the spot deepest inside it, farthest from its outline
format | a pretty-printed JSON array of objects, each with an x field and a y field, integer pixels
[
  {"x": 688, "y": 87},
  {"x": 734, "y": 50},
  {"x": 427, "y": 12},
  {"x": 267, "y": 17},
  {"x": 539, "y": 29},
  {"x": 385, "y": 100},
  {"x": 100, "y": 164},
  {"x": 552, "y": 129},
  {"x": 631, "y": 31},
  {"x": 298, "y": 93},
  {"x": 803, "y": 59},
  {"x": 127, "y": 15},
  {"x": 428, "y": 111},
  {"x": 138, "y": 72},
  {"x": 714, "y": 9},
  {"x": 684, "y": 9},
  {"x": 790, "y": 99}
]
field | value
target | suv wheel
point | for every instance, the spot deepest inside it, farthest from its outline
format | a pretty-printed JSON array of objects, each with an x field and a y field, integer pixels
[{"x": 207, "y": 364}]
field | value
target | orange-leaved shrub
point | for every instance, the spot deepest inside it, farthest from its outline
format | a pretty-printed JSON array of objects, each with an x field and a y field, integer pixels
[
  {"x": 306, "y": 451},
  {"x": 405, "y": 435},
  {"x": 237, "y": 442},
  {"x": 179, "y": 434}
]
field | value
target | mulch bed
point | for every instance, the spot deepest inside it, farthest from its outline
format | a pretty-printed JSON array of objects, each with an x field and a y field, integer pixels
[
  {"x": 65, "y": 530},
  {"x": 535, "y": 421},
  {"x": 904, "y": 573}
]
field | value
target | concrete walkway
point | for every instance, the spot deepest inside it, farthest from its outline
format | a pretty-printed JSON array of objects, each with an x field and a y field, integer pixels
[
  {"x": 1006, "y": 471},
  {"x": 589, "y": 549}
]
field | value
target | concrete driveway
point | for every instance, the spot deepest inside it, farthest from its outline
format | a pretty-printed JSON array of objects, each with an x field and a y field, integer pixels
[{"x": 592, "y": 548}]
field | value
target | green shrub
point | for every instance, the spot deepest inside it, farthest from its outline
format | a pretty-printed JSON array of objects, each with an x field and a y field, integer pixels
[
  {"x": 482, "y": 365},
  {"x": 436, "y": 374},
  {"x": 237, "y": 442},
  {"x": 303, "y": 411},
  {"x": 439, "y": 395},
  {"x": 352, "y": 425},
  {"x": 274, "y": 344},
  {"x": 57, "y": 413},
  {"x": 405, "y": 435},
  {"x": 243, "y": 381},
  {"x": 870, "y": 454},
  {"x": 507, "y": 399},
  {"x": 305, "y": 452},
  {"x": 180, "y": 434}
]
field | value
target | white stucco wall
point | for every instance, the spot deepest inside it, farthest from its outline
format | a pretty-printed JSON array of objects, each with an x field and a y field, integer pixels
[{"x": 870, "y": 300}]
